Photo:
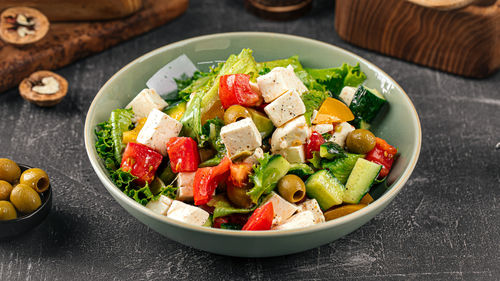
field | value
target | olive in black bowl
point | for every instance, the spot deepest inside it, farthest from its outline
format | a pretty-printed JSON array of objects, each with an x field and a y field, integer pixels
[{"x": 24, "y": 222}]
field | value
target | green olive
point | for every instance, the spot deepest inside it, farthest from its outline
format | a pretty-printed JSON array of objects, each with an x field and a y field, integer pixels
[
  {"x": 7, "y": 211},
  {"x": 292, "y": 188},
  {"x": 360, "y": 141},
  {"x": 5, "y": 189},
  {"x": 36, "y": 179},
  {"x": 25, "y": 199},
  {"x": 235, "y": 113},
  {"x": 9, "y": 170},
  {"x": 238, "y": 196}
]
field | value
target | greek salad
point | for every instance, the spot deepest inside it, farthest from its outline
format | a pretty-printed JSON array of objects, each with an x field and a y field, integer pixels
[{"x": 248, "y": 145}]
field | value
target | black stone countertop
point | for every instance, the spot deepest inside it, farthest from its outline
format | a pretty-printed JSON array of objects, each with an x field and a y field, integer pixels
[{"x": 445, "y": 224}]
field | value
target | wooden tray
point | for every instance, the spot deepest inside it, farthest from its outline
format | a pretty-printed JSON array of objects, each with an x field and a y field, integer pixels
[
  {"x": 463, "y": 41},
  {"x": 67, "y": 42}
]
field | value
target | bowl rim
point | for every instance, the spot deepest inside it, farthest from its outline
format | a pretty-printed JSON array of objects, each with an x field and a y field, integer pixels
[
  {"x": 46, "y": 199},
  {"x": 116, "y": 192}
]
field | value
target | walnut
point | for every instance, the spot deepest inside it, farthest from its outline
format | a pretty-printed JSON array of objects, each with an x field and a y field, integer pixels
[
  {"x": 44, "y": 88},
  {"x": 23, "y": 25}
]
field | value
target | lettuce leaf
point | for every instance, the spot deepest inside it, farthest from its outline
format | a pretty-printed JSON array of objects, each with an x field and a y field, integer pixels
[
  {"x": 222, "y": 207},
  {"x": 211, "y": 137},
  {"x": 334, "y": 79},
  {"x": 313, "y": 100}
]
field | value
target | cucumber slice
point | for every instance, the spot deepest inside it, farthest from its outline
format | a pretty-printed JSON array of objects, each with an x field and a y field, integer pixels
[
  {"x": 366, "y": 103},
  {"x": 331, "y": 150},
  {"x": 325, "y": 188},
  {"x": 341, "y": 168},
  {"x": 300, "y": 169},
  {"x": 362, "y": 177}
]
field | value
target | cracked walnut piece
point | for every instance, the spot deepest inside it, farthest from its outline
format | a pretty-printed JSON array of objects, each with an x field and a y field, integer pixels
[
  {"x": 23, "y": 25},
  {"x": 44, "y": 88}
]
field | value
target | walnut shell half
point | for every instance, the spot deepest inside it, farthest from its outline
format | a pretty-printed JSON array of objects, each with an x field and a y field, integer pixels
[
  {"x": 44, "y": 88},
  {"x": 23, "y": 25}
]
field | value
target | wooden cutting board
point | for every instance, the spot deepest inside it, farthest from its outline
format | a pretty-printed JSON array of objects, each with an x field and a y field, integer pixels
[
  {"x": 462, "y": 40},
  {"x": 69, "y": 41}
]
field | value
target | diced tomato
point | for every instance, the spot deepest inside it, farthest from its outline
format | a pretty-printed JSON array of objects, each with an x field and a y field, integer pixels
[
  {"x": 236, "y": 89},
  {"x": 206, "y": 181},
  {"x": 220, "y": 220},
  {"x": 261, "y": 219},
  {"x": 141, "y": 161},
  {"x": 239, "y": 174},
  {"x": 183, "y": 154},
  {"x": 313, "y": 144},
  {"x": 382, "y": 154},
  {"x": 239, "y": 219}
]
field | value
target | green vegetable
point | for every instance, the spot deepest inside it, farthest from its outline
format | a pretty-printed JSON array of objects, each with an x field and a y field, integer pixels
[
  {"x": 312, "y": 101},
  {"x": 104, "y": 145},
  {"x": 175, "y": 107},
  {"x": 342, "y": 167},
  {"x": 209, "y": 221},
  {"x": 325, "y": 188},
  {"x": 267, "y": 174},
  {"x": 187, "y": 85},
  {"x": 167, "y": 175},
  {"x": 224, "y": 208},
  {"x": 232, "y": 226},
  {"x": 334, "y": 79},
  {"x": 211, "y": 137},
  {"x": 121, "y": 121},
  {"x": 363, "y": 175},
  {"x": 366, "y": 103},
  {"x": 331, "y": 150},
  {"x": 316, "y": 160},
  {"x": 263, "y": 124},
  {"x": 300, "y": 169}
]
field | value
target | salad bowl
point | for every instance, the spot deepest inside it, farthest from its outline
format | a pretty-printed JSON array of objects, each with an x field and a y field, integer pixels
[{"x": 399, "y": 125}]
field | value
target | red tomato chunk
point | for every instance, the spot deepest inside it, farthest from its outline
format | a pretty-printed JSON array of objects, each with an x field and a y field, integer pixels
[
  {"x": 261, "y": 219},
  {"x": 207, "y": 179},
  {"x": 382, "y": 154},
  {"x": 183, "y": 154},
  {"x": 313, "y": 144},
  {"x": 236, "y": 89},
  {"x": 141, "y": 161}
]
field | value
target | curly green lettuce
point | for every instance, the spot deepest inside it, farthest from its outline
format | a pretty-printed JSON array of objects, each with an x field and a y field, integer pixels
[
  {"x": 334, "y": 79},
  {"x": 312, "y": 101}
]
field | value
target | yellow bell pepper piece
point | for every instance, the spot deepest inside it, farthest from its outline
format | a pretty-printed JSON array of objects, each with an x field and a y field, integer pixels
[
  {"x": 333, "y": 111},
  {"x": 343, "y": 211},
  {"x": 177, "y": 111},
  {"x": 131, "y": 136}
]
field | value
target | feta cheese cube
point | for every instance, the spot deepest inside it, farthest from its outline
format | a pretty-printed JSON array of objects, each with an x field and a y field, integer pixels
[
  {"x": 285, "y": 108},
  {"x": 299, "y": 220},
  {"x": 313, "y": 206},
  {"x": 157, "y": 130},
  {"x": 282, "y": 208},
  {"x": 293, "y": 133},
  {"x": 340, "y": 133},
  {"x": 293, "y": 154},
  {"x": 278, "y": 81},
  {"x": 240, "y": 136},
  {"x": 322, "y": 128},
  {"x": 144, "y": 102},
  {"x": 254, "y": 158},
  {"x": 347, "y": 94},
  {"x": 185, "y": 183},
  {"x": 160, "y": 206},
  {"x": 187, "y": 213}
]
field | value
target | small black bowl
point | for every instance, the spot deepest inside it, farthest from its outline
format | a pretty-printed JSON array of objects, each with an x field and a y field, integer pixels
[{"x": 23, "y": 223}]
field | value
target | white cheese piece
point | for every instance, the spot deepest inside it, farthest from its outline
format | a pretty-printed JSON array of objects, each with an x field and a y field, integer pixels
[
  {"x": 160, "y": 206},
  {"x": 187, "y": 213},
  {"x": 163, "y": 80},
  {"x": 278, "y": 81},
  {"x": 322, "y": 128},
  {"x": 145, "y": 102},
  {"x": 347, "y": 94},
  {"x": 185, "y": 183},
  {"x": 282, "y": 208},
  {"x": 293, "y": 154},
  {"x": 340, "y": 133},
  {"x": 285, "y": 108},
  {"x": 157, "y": 130},
  {"x": 293, "y": 133},
  {"x": 240, "y": 136},
  {"x": 254, "y": 158},
  {"x": 299, "y": 220},
  {"x": 313, "y": 206}
]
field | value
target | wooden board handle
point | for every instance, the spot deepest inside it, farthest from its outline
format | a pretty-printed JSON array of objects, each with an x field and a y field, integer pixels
[
  {"x": 79, "y": 10},
  {"x": 448, "y": 5}
]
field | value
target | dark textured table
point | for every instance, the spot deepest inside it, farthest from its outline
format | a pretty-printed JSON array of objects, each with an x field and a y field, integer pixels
[{"x": 445, "y": 224}]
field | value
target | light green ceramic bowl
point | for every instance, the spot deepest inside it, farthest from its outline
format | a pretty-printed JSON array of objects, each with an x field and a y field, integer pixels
[{"x": 400, "y": 126}]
